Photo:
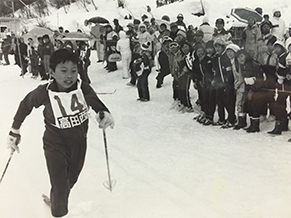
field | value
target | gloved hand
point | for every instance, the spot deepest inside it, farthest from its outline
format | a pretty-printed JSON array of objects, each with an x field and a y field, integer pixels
[
  {"x": 280, "y": 81},
  {"x": 250, "y": 80},
  {"x": 105, "y": 119},
  {"x": 14, "y": 139}
]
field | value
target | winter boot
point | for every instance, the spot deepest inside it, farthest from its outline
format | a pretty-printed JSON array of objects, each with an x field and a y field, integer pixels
[
  {"x": 255, "y": 125},
  {"x": 278, "y": 128},
  {"x": 242, "y": 122},
  {"x": 284, "y": 126}
]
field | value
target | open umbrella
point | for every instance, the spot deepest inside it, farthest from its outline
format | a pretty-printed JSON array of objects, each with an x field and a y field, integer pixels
[
  {"x": 242, "y": 14},
  {"x": 76, "y": 36},
  {"x": 36, "y": 32},
  {"x": 100, "y": 20}
]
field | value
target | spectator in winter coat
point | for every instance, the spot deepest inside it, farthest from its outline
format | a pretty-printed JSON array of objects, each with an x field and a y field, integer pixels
[
  {"x": 199, "y": 35},
  {"x": 40, "y": 50},
  {"x": 83, "y": 52},
  {"x": 66, "y": 102},
  {"x": 144, "y": 65},
  {"x": 33, "y": 58},
  {"x": 174, "y": 30},
  {"x": 163, "y": 60},
  {"x": 220, "y": 32},
  {"x": 123, "y": 46},
  {"x": 223, "y": 82},
  {"x": 180, "y": 22},
  {"x": 252, "y": 74},
  {"x": 175, "y": 57},
  {"x": 163, "y": 32},
  {"x": 284, "y": 87},
  {"x": 98, "y": 32},
  {"x": 185, "y": 80},
  {"x": 6, "y": 47},
  {"x": 207, "y": 30},
  {"x": 21, "y": 58},
  {"x": 135, "y": 50},
  {"x": 111, "y": 38},
  {"x": 190, "y": 34},
  {"x": 117, "y": 27},
  {"x": 251, "y": 36},
  {"x": 180, "y": 37},
  {"x": 279, "y": 26},
  {"x": 144, "y": 36},
  {"x": 48, "y": 49},
  {"x": 239, "y": 85}
]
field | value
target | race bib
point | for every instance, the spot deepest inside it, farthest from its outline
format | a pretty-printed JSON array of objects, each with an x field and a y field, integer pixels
[{"x": 69, "y": 109}]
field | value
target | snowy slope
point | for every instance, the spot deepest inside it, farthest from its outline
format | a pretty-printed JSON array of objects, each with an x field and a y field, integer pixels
[{"x": 166, "y": 165}]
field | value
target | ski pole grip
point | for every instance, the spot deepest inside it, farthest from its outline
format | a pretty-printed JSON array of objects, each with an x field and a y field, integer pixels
[{"x": 101, "y": 115}]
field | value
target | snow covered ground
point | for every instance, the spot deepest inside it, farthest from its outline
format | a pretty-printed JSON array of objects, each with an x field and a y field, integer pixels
[{"x": 165, "y": 164}]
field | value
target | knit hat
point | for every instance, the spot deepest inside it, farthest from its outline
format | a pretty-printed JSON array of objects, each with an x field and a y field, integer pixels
[
  {"x": 145, "y": 46},
  {"x": 272, "y": 40},
  {"x": 266, "y": 22},
  {"x": 166, "y": 17},
  {"x": 198, "y": 46},
  {"x": 219, "y": 41},
  {"x": 130, "y": 25},
  {"x": 279, "y": 42},
  {"x": 146, "y": 20},
  {"x": 219, "y": 20},
  {"x": 242, "y": 51},
  {"x": 46, "y": 36},
  {"x": 199, "y": 33},
  {"x": 142, "y": 25},
  {"x": 182, "y": 33},
  {"x": 209, "y": 44},
  {"x": 233, "y": 47},
  {"x": 180, "y": 16},
  {"x": 136, "y": 21}
]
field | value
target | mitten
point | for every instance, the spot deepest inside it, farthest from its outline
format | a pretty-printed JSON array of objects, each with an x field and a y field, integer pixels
[
  {"x": 13, "y": 140},
  {"x": 105, "y": 120}
]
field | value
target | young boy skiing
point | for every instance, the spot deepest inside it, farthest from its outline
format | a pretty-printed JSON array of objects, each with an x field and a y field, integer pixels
[{"x": 66, "y": 101}]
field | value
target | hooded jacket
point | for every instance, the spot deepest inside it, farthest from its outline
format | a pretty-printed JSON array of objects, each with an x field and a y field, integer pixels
[{"x": 123, "y": 44}]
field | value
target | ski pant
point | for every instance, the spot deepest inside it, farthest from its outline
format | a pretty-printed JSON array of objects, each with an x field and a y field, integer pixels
[
  {"x": 64, "y": 168},
  {"x": 208, "y": 101},
  {"x": 133, "y": 75},
  {"x": 126, "y": 59},
  {"x": 225, "y": 99},
  {"x": 161, "y": 75},
  {"x": 34, "y": 65},
  {"x": 142, "y": 85},
  {"x": 184, "y": 86},
  {"x": 100, "y": 50},
  {"x": 175, "y": 86},
  {"x": 46, "y": 64},
  {"x": 279, "y": 107},
  {"x": 6, "y": 58}
]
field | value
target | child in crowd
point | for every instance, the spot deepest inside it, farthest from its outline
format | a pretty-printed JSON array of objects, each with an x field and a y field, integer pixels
[
  {"x": 123, "y": 46},
  {"x": 144, "y": 63},
  {"x": 66, "y": 102}
]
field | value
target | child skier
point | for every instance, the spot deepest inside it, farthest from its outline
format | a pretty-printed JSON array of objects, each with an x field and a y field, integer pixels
[{"x": 66, "y": 101}]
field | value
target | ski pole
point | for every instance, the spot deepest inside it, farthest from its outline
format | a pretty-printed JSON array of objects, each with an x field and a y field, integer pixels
[
  {"x": 101, "y": 115},
  {"x": 11, "y": 154}
]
